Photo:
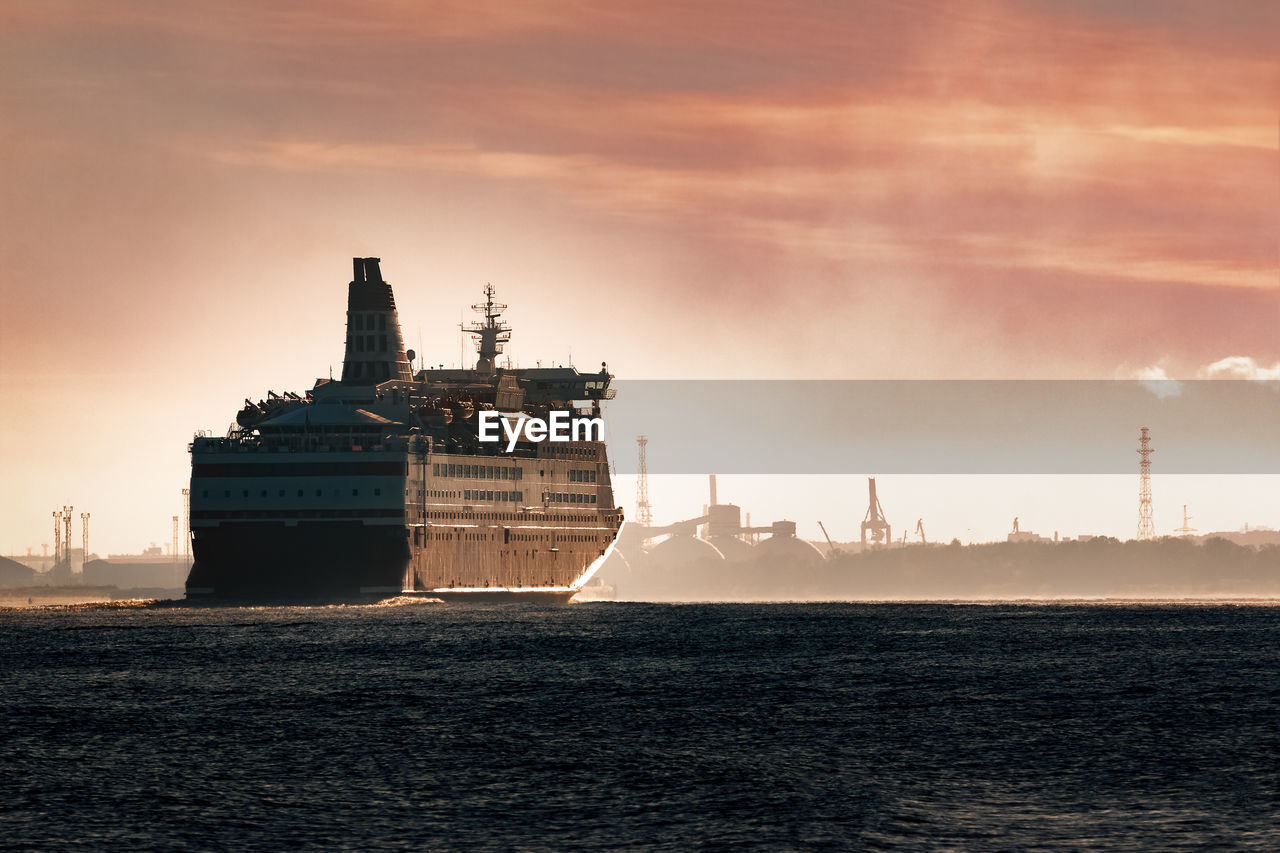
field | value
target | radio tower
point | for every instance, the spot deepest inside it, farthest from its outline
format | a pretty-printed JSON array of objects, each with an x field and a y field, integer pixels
[
  {"x": 1146, "y": 530},
  {"x": 644, "y": 512},
  {"x": 57, "y": 538},
  {"x": 84, "y": 543},
  {"x": 66, "y": 540}
]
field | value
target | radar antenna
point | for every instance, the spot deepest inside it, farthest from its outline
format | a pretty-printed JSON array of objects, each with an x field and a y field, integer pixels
[{"x": 489, "y": 334}]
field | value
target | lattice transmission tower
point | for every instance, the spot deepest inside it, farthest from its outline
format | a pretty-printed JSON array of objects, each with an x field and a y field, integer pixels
[
  {"x": 66, "y": 539},
  {"x": 1146, "y": 530},
  {"x": 84, "y": 539},
  {"x": 644, "y": 512}
]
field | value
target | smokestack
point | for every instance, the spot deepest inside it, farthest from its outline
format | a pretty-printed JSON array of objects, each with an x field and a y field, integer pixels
[
  {"x": 713, "y": 490},
  {"x": 375, "y": 347}
]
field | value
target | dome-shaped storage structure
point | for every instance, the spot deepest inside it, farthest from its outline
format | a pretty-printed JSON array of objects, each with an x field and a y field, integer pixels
[
  {"x": 734, "y": 549},
  {"x": 784, "y": 548},
  {"x": 682, "y": 550}
]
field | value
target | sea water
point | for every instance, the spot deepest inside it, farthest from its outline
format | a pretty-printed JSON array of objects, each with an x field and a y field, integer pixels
[{"x": 587, "y": 726}]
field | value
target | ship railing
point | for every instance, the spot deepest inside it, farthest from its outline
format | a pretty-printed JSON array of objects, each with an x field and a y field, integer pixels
[{"x": 297, "y": 444}]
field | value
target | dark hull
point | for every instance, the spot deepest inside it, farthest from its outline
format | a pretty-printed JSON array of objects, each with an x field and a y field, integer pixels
[{"x": 310, "y": 561}]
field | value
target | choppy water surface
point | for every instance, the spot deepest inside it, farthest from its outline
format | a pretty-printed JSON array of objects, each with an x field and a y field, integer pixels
[{"x": 992, "y": 727}]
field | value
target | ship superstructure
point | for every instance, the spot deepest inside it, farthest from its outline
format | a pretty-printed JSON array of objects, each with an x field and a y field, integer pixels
[{"x": 378, "y": 483}]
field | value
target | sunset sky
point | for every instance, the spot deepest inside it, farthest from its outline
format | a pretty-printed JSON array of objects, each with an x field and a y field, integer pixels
[{"x": 1039, "y": 189}]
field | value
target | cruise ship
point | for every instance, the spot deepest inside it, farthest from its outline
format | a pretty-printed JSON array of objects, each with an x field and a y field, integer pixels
[{"x": 379, "y": 484}]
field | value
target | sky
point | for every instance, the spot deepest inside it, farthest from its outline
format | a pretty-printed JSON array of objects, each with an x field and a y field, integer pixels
[{"x": 860, "y": 190}]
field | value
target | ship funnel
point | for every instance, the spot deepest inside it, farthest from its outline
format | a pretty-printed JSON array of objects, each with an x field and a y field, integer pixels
[{"x": 375, "y": 347}]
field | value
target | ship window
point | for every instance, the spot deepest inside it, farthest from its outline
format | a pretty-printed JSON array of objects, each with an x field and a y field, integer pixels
[
  {"x": 245, "y": 493},
  {"x": 205, "y": 494},
  {"x": 281, "y": 493},
  {"x": 299, "y": 492},
  {"x": 355, "y": 493},
  {"x": 593, "y": 498},
  {"x": 377, "y": 492},
  {"x": 263, "y": 493},
  {"x": 227, "y": 493},
  {"x": 382, "y": 342},
  {"x": 368, "y": 341},
  {"x": 382, "y": 323},
  {"x": 318, "y": 493},
  {"x": 357, "y": 321},
  {"x": 435, "y": 469}
]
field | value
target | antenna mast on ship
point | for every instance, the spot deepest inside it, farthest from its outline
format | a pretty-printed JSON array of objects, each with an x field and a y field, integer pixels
[{"x": 491, "y": 333}]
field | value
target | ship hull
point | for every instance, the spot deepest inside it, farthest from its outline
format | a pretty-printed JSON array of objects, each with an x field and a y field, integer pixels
[
  {"x": 500, "y": 596},
  {"x": 329, "y": 560}
]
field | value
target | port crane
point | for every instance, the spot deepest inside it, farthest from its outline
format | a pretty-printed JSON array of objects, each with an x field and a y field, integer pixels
[
  {"x": 875, "y": 523},
  {"x": 835, "y": 552}
]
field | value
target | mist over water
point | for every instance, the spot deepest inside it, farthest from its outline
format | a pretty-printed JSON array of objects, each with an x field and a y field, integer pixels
[
  {"x": 724, "y": 569},
  {"x": 636, "y": 725}
]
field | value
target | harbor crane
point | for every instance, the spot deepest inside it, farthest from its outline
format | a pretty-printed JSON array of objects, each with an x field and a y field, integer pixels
[
  {"x": 875, "y": 523},
  {"x": 835, "y": 552}
]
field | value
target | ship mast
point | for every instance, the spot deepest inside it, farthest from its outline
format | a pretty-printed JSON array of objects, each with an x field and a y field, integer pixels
[{"x": 490, "y": 333}]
